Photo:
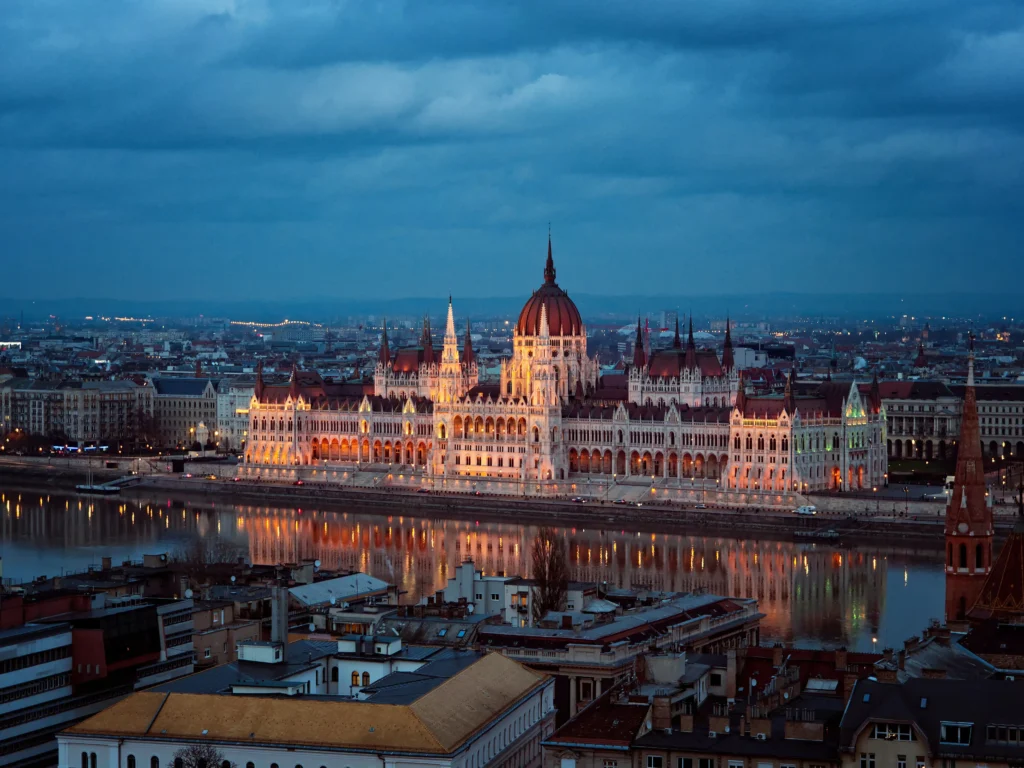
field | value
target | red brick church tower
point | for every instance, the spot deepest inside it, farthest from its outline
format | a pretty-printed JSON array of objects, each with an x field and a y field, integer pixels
[{"x": 969, "y": 527}]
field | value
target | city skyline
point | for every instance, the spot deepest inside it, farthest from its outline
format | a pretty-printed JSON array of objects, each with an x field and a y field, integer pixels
[{"x": 218, "y": 151}]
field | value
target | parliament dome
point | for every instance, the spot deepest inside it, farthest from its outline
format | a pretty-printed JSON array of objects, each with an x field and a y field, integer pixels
[{"x": 563, "y": 317}]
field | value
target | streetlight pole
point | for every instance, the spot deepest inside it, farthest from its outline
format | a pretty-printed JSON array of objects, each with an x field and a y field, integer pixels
[{"x": 906, "y": 501}]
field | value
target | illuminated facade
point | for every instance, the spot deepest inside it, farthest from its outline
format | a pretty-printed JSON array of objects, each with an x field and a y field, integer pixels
[{"x": 552, "y": 416}]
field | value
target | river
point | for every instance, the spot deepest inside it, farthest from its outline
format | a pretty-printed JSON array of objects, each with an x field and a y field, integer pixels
[{"x": 864, "y": 597}]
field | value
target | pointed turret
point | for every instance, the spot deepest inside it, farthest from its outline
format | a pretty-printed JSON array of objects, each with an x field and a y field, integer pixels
[
  {"x": 384, "y": 355},
  {"x": 741, "y": 394},
  {"x": 639, "y": 360},
  {"x": 691, "y": 349},
  {"x": 293, "y": 382},
  {"x": 876, "y": 394},
  {"x": 728, "y": 363},
  {"x": 788, "y": 398},
  {"x": 969, "y": 525},
  {"x": 677, "y": 343},
  {"x": 468, "y": 357},
  {"x": 259, "y": 380},
  {"x": 544, "y": 331},
  {"x": 549, "y": 265},
  {"x": 450, "y": 351},
  {"x": 427, "y": 341}
]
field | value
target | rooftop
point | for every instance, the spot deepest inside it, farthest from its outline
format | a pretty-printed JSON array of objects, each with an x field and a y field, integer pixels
[{"x": 434, "y": 721}]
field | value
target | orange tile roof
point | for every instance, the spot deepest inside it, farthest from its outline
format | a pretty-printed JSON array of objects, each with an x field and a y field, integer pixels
[{"x": 436, "y": 723}]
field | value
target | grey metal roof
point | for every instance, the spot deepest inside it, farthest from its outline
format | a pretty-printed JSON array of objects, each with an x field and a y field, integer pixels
[
  {"x": 341, "y": 589},
  {"x": 617, "y": 625}
]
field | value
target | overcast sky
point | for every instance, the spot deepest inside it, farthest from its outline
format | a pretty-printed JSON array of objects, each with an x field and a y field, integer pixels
[{"x": 240, "y": 149}]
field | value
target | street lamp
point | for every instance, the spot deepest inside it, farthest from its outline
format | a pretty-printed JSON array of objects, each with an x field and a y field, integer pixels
[{"x": 875, "y": 489}]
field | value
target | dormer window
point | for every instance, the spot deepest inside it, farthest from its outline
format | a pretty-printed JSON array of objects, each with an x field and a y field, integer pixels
[{"x": 956, "y": 733}]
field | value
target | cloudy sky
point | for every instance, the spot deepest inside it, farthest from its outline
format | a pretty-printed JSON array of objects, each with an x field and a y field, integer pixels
[{"x": 239, "y": 149}]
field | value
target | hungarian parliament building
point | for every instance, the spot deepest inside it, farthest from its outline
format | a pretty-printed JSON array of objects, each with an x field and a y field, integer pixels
[{"x": 680, "y": 413}]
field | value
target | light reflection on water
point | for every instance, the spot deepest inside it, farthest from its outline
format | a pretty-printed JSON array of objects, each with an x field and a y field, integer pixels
[{"x": 811, "y": 594}]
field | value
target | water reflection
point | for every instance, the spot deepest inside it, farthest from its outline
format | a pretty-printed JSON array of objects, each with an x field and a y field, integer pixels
[{"x": 810, "y": 593}]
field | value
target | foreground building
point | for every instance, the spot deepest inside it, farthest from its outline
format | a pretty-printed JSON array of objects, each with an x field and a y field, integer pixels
[
  {"x": 469, "y": 710},
  {"x": 674, "y": 414}
]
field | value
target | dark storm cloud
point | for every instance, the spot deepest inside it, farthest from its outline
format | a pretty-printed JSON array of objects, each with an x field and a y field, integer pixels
[{"x": 703, "y": 140}]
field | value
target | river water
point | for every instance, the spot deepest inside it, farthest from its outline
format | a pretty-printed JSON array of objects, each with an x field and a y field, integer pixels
[{"x": 864, "y": 597}]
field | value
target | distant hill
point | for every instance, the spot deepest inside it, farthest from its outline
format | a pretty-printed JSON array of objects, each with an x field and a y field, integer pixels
[{"x": 594, "y": 308}]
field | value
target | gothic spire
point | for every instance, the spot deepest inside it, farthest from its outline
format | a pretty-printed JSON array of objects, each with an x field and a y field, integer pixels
[
  {"x": 450, "y": 351},
  {"x": 384, "y": 355},
  {"x": 676, "y": 341},
  {"x": 259, "y": 380},
  {"x": 293, "y": 382},
  {"x": 788, "y": 398},
  {"x": 639, "y": 359},
  {"x": 728, "y": 362},
  {"x": 544, "y": 331},
  {"x": 741, "y": 394},
  {"x": 468, "y": 357},
  {"x": 427, "y": 342},
  {"x": 199, "y": 368},
  {"x": 691, "y": 348},
  {"x": 549, "y": 265}
]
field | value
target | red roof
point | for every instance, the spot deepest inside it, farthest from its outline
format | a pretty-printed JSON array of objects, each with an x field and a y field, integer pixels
[{"x": 1002, "y": 597}]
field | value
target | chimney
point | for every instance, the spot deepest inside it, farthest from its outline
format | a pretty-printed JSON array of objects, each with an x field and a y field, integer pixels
[
  {"x": 885, "y": 674},
  {"x": 106, "y": 563},
  {"x": 566, "y": 622},
  {"x": 901, "y": 660},
  {"x": 777, "y": 654},
  {"x": 841, "y": 659},
  {"x": 279, "y": 615},
  {"x": 887, "y": 654},
  {"x": 661, "y": 714},
  {"x": 730, "y": 674}
]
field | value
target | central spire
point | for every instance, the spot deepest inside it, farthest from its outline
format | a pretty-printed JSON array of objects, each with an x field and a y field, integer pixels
[{"x": 549, "y": 265}]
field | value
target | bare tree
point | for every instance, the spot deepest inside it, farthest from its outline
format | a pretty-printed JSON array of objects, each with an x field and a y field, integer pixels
[
  {"x": 551, "y": 572},
  {"x": 199, "y": 756},
  {"x": 201, "y": 555}
]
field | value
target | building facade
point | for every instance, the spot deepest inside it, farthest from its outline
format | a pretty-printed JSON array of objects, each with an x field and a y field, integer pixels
[
  {"x": 81, "y": 412},
  {"x": 185, "y": 410},
  {"x": 678, "y": 413},
  {"x": 233, "y": 400}
]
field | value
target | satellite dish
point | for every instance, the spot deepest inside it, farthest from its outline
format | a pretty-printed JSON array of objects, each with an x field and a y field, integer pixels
[
  {"x": 469, "y": 608},
  {"x": 312, "y": 627},
  {"x": 333, "y": 600},
  {"x": 232, "y": 579},
  {"x": 316, "y": 563},
  {"x": 188, "y": 594}
]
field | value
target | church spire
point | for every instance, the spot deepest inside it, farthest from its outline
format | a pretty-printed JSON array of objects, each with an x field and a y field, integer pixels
[
  {"x": 639, "y": 359},
  {"x": 468, "y": 357},
  {"x": 728, "y": 362},
  {"x": 691, "y": 349},
  {"x": 741, "y": 394},
  {"x": 549, "y": 265},
  {"x": 969, "y": 525},
  {"x": 384, "y": 355},
  {"x": 427, "y": 342},
  {"x": 788, "y": 398},
  {"x": 450, "y": 352}
]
